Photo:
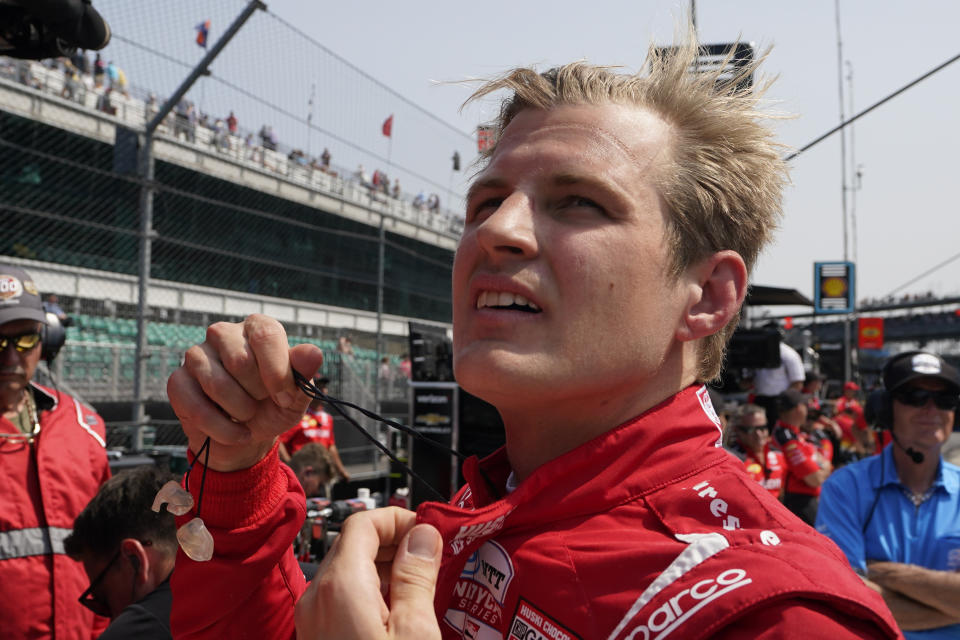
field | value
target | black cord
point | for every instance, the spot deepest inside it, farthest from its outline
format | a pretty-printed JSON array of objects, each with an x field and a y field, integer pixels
[
  {"x": 312, "y": 391},
  {"x": 203, "y": 475}
]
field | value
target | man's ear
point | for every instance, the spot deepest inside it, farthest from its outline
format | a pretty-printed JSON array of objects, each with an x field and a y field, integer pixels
[
  {"x": 717, "y": 286},
  {"x": 136, "y": 555}
]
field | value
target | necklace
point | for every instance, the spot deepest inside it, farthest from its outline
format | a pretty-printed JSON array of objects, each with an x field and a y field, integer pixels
[{"x": 25, "y": 438}]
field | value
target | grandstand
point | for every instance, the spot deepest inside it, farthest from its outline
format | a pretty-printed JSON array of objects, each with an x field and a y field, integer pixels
[{"x": 237, "y": 231}]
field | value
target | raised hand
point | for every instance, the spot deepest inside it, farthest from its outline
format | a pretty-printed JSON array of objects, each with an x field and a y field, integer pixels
[{"x": 237, "y": 387}]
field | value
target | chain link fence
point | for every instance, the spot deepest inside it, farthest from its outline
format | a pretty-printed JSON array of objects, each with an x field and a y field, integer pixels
[{"x": 273, "y": 178}]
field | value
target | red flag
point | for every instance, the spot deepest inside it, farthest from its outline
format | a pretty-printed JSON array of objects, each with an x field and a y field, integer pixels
[
  {"x": 203, "y": 30},
  {"x": 388, "y": 126},
  {"x": 870, "y": 333}
]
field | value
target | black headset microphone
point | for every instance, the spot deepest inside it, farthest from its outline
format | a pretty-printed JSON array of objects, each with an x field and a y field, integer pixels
[{"x": 913, "y": 454}]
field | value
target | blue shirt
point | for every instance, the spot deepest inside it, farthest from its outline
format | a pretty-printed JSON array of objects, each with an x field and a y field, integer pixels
[{"x": 864, "y": 510}]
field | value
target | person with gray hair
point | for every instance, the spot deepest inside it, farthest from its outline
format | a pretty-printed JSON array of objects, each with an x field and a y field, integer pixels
[{"x": 601, "y": 271}]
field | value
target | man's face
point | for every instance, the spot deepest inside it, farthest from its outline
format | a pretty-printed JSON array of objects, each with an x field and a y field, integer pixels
[
  {"x": 923, "y": 428},
  {"x": 753, "y": 431},
  {"x": 561, "y": 285},
  {"x": 115, "y": 583},
  {"x": 16, "y": 367}
]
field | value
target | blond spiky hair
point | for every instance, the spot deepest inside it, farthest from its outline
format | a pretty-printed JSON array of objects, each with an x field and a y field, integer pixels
[{"x": 724, "y": 176}]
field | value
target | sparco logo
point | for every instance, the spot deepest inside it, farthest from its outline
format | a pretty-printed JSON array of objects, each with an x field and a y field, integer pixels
[
  {"x": 10, "y": 287},
  {"x": 675, "y": 611}
]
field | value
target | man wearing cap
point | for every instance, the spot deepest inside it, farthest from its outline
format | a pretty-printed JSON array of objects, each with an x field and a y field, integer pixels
[
  {"x": 896, "y": 516},
  {"x": 849, "y": 402},
  {"x": 808, "y": 461},
  {"x": 52, "y": 460},
  {"x": 316, "y": 425}
]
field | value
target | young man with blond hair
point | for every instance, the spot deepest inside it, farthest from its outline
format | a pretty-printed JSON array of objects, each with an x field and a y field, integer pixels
[{"x": 602, "y": 267}]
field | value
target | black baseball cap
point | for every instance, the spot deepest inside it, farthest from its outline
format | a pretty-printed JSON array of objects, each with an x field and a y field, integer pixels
[
  {"x": 19, "y": 297},
  {"x": 790, "y": 398},
  {"x": 913, "y": 365}
]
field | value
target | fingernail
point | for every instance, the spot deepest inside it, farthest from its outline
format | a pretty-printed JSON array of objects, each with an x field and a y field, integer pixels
[
  {"x": 284, "y": 399},
  {"x": 423, "y": 542}
]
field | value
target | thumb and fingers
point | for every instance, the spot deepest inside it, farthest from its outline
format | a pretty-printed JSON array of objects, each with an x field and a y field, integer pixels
[
  {"x": 413, "y": 584},
  {"x": 347, "y": 589},
  {"x": 237, "y": 387}
]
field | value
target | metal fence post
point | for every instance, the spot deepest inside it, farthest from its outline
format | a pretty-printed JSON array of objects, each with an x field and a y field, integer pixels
[{"x": 145, "y": 170}]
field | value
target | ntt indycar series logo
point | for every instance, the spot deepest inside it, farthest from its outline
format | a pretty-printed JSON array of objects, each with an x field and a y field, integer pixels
[{"x": 679, "y": 608}]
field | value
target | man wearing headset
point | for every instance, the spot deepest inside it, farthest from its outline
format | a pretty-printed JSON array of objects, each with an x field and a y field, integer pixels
[
  {"x": 52, "y": 459},
  {"x": 896, "y": 516}
]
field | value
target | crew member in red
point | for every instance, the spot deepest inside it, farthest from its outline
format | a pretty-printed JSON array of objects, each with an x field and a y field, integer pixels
[
  {"x": 849, "y": 401},
  {"x": 762, "y": 461},
  {"x": 52, "y": 460},
  {"x": 602, "y": 266},
  {"x": 316, "y": 425},
  {"x": 808, "y": 461}
]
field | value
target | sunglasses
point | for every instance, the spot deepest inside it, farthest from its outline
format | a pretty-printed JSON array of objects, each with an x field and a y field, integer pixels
[
  {"x": 749, "y": 430},
  {"x": 22, "y": 342},
  {"x": 943, "y": 400},
  {"x": 90, "y": 600}
]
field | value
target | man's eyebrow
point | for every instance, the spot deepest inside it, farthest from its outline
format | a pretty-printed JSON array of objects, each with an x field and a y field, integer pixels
[{"x": 485, "y": 183}]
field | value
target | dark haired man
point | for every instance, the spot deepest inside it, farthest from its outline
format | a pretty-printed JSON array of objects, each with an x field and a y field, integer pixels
[
  {"x": 52, "y": 459},
  {"x": 896, "y": 516},
  {"x": 128, "y": 552},
  {"x": 808, "y": 458}
]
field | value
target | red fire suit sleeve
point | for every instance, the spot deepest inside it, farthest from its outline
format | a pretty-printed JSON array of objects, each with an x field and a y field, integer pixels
[{"x": 253, "y": 580}]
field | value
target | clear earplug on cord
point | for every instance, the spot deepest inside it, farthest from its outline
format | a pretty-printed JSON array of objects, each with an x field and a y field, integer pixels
[{"x": 194, "y": 537}]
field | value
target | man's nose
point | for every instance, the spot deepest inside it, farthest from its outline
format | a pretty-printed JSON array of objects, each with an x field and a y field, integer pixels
[{"x": 510, "y": 230}]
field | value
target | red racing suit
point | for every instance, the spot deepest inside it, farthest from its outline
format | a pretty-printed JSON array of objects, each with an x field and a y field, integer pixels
[
  {"x": 647, "y": 530},
  {"x": 314, "y": 426},
  {"x": 45, "y": 486}
]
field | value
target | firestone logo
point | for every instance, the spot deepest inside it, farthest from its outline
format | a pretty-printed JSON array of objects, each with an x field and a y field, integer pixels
[
  {"x": 10, "y": 287},
  {"x": 666, "y": 618}
]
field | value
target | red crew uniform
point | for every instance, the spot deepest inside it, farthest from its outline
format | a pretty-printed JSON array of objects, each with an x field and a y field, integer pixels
[
  {"x": 803, "y": 455},
  {"x": 769, "y": 472},
  {"x": 316, "y": 425},
  {"x": 647, "y": 530},
  {"x": 45, "y": 486},
  {"x": 851, "y": 404}
]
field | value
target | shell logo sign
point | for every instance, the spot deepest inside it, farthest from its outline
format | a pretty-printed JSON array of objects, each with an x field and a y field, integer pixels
[{"x": 870, "y": 333}]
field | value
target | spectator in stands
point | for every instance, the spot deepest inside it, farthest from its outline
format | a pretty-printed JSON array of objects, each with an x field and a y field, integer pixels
[
  {"x": 808, "y": 460},
  {"x": 751, "y": 444},
  {"x": 316, "y": 425},
  {"x": 610, "y": 504},
  {"x": 152, "y": 108},
  {"x": 52, "y": 458},
  {"x": 81, "y": 61},
  {"x": 232, "y": 124},
  {"x": 99, "y": 70},
  {"x": 420, "y": 201},
  {"x": 769, "y": 383},
  {"x": 268, "y": 138},
  {"x": 105, "y": 104},
  {"x": 52, "y": 304},
  {"x": 385, "y": 372},
  {"x": 128, "y": 552},
  {"x": 895, "y": 516},
  {"x": 314, "y": 468},
  {"x": 395, "y": 191},
  {"x": 405, "y": 366},
  {"x": 345, "y": 345},
  {"x": 433, "y": 203},
  {"x": 325, "y": 159}
]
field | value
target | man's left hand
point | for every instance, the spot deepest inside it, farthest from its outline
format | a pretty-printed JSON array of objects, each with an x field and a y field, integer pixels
[{"x": 380, "y": 556}]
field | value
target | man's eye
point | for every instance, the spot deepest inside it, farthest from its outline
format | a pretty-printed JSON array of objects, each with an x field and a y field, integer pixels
[
  {"x": 484, "y": 206},
  {"x": 578, "y": 202}
]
